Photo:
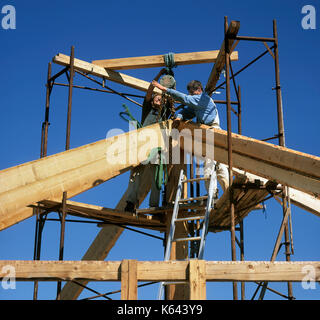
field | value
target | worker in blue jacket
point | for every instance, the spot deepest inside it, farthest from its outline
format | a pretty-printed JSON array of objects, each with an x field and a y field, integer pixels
[{"x": 201, "y": 106}]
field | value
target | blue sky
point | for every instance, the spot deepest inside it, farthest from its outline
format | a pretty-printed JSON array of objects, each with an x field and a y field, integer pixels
[{"x": 115, "y": 29}]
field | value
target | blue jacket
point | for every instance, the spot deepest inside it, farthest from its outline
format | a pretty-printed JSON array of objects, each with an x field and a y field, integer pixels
[{"x": 200, "y": 106}]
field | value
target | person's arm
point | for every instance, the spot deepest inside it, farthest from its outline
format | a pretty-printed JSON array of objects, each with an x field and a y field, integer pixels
[
  {"x": 151, "y": 86},
  {"x": 191, "y": 101},
  {"x": 185, "y": 114},
  {"x": 159, "y": 86},
  {"x": 188, "y": 100},
  {"x": 147, "y": 100}
]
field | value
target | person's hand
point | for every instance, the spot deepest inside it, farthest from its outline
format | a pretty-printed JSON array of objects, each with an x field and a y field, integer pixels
[
  {"x": 158, "y": 85},
  {"x": 155, "y": 83}
]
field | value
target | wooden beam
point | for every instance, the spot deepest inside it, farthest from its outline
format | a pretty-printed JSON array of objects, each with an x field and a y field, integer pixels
[
  {"x": 257, "y": 270},
  {"x": 101, "y": 72},
  {"x": 305, "y": 201},
  {"x": 286, "y": 166},
  {"x": 73, "y": 171},
  {"x": 197, "y": 280},
  {"x": 158, "y": 60},
  {"x": 129, "y": 283},
  {"x": 219, "y": 65},
  {"x": 277, "y": 271}
]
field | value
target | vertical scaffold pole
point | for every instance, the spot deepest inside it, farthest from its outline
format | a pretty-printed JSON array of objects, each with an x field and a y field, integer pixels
[
  {"x": 281, "y": 132},
  {"x": 228, "y": 99},
  {"x": 64, "y": 197},
  {"x": 43, "y": 153}
]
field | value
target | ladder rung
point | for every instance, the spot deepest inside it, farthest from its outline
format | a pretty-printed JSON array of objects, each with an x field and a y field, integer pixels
[
  {"x": 187, "y": 239},
  {"x": 190, "y": 218},
  {"x": 195, "y": 179},
  {"x": 194, "y": 199}
]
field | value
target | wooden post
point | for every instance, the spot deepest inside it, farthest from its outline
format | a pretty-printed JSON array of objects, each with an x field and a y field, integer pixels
[
  {"x": 129, "y": 283},
  {"x": 197, "y": 279}
]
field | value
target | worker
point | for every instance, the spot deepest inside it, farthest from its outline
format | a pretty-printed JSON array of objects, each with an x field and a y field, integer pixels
[
  {"x": 200, "y": 105},
  {"x": 152, "y": 112}
]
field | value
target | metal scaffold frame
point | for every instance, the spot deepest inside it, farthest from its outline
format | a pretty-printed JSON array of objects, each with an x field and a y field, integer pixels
[{"x": 231, "y": 40}]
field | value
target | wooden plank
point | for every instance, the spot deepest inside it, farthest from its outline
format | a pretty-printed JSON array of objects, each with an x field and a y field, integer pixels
[
  {"x": 97, "y": 212},
  {"x": 299, "y": 198},
  {"x": 129, "y": 283},
  {"x": 224, "y": 218},
  {"x": 169, "y": 208},
  {"x": 223, "y": 203},
  {"x": 220, "y": 63},
  {"x": 107, "y": 74},
  {"x": 158, "y": 60},
  {"x": 197, "y": 280},
  {"x": 278, "y": 271},
  {"x": 245, "y": 206},
  {"x": 73, "y": 171}
]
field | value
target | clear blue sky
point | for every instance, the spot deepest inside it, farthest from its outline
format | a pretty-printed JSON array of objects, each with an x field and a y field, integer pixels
[{"x": 115, "y": 29}]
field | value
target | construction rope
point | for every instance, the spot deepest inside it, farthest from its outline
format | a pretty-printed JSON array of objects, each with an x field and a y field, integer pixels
[{"x": 169, "y": 62}]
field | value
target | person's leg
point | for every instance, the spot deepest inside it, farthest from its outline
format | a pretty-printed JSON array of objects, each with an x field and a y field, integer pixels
[
  {"x": 209, "y": 168},
  {"x": 155, "y": 192},
  {"x": 134, "y": 185},
  {"x": 222, "y": 175}
]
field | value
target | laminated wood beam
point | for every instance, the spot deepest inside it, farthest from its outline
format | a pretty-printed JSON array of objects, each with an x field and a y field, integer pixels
[
  {"x": 304, "y": 201},
  {"x": 73, "y": 171},
  {"x": 158, "y": 60},
  {"x": 101, "y": 72},
  {"x": 278, "y": 271},
  {"x": 286, "y": 166},
  {"x": 233, "y": 30}
]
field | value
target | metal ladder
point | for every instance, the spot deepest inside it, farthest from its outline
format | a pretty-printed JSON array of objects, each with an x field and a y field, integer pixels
[{"x": 204, "y": 223}]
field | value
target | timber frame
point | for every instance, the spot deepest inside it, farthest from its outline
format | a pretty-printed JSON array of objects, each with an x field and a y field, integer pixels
[
  {"x": 194, "y": 272},
  {"x": 247, "y": 191}
]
